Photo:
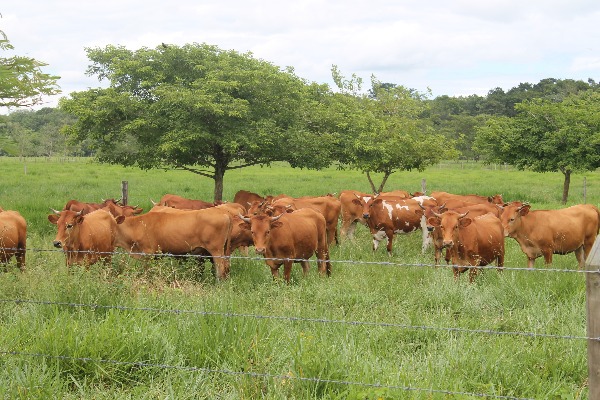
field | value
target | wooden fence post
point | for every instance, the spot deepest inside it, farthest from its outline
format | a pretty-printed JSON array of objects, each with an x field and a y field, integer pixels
[
  {"x": 592, "y": 283},
  {"x": 125, "y": 192}
]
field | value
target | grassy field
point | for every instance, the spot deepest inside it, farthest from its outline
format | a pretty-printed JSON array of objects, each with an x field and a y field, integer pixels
[{"x": 379, "y": 328}]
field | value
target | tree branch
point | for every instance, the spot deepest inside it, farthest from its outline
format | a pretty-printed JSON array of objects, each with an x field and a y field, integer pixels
[{"x": 196, "y": 171}]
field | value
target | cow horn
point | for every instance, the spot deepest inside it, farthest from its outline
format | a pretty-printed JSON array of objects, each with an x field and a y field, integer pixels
[
  {"x": 153, "y": 202},
  {"x": 273, "y": 219},
  {"x": 245, "y": 219},
  {"x": 54, "y": 211},
  {"x": 79, "y": 212},
  {"x": 436, "y": 214},
  {"x": 421, "y": 205},
  {"x": 463, "y": 215}
]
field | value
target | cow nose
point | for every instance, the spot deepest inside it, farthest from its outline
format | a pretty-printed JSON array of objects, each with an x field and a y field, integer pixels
[
  {"x": 448, "y": 243},
  {"x": 430, "y": 228},
  {"x": 365, "y": 216},
  {"x": 57, "y": 244},
  {"x": 260, "y": 250}
]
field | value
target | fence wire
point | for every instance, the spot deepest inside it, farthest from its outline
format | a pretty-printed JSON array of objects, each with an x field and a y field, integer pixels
[
  {"x": 332, "y": 261},
  {"x": 267, "y": 375}
]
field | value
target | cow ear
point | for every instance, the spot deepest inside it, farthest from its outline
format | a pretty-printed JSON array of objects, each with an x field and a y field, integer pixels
[
  {"x": 276, "y": 224},
  {"x": 244, "y": 225},
  {"x": 53, "y": 218},
  {"x": 356, "y": 201},
  {"x": 433, "y": 221},
  {"x": 524, "y": 210},
  {"x": 419, "y": 212},
  {"x": 78, "y": 219},
  {"x": 464, "y": 222},
  {"x": 120, "y": 219}
]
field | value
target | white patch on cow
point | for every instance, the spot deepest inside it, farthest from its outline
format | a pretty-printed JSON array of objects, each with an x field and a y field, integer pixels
[
  {"x": 401, "y": 207},
  {"x": 380, "y": 235},
  {"x": 366, "y": 198},
  {"x": 421, "y": 199},
  {"x": 388, "y": 207}
]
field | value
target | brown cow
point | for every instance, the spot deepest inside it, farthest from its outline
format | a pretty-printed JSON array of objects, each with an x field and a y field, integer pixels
[
  {"x": 329, "y": 206},
  {"x": 110, "y": 205},
  {"x": 387, "y": 216},
  {"x": 474, "y": 210},
  {"x": 246, "y": 198},
  {"x": 548, "y": 232},
  {"x": 175, "y": 201},
  {"x": 178, "y": 233},
  {"x": 351, "y": 211},
  {"x": 443, "y": 197},
  {"x": 85, "y": 238},
  {"x": 472, "y": 242},
  {"x": 408, "y": 213},
  {"x": 288, "y": 238},
  {"x": 398, "y": 193},
  {"x": 13, "y": 237}
]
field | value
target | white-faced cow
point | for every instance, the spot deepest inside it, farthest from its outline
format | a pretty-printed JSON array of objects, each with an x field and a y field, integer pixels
[
  {"x": 13, "y": 237},
  {"x": 85, "y": 238},
  {"x": 548, "y": 232},
  {"x": 288, "y": 238},
  {"x": 472, "y": 242}
]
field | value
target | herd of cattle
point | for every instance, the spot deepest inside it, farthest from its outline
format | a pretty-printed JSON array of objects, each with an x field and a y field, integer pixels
[{"x": 470, "y": 228}]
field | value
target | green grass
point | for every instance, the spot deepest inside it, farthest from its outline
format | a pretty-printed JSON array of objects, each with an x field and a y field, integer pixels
[{"x": 367, "y": 332}]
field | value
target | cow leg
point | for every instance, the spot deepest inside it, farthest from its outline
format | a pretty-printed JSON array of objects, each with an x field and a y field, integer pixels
[
  {"x": 305, "y": 267},
  {"x": 548, "y": 257},
  {"x": 20, "y": 256},
  {"x": 579, "y": 254},
  {"x": 390, "y": 237},
  {"x": 323, "y": 262},
  {"x": 347, "y": 229},
  {"x": 530, "y": 262},
  {"x": 378, "y": 237},
  {"x": 287, "y": 270}
]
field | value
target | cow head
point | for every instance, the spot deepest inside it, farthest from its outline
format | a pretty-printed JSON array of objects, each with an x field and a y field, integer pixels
[
  {"x": 260, "y": 226},
  {"x": 365, "y": 202},
  {"x": 68, "y": 223},
  {"x": 449, "y": 223},
  {"x": 511, "y": 217}
]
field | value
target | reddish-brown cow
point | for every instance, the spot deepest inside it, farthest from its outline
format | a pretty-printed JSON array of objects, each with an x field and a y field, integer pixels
[
  {"x": 329, "y": 206},
  {"x": 444, "y": 197},
  {"x": 548, "y": 232},
  {"x": 13, "y": 237},
  {"x": 178, "y": 233},
  {"x": 474, "y": 210},
  {"x": 85, "y": 238},
  {"x": 246, "y": 198},
  {"x": 175, "y": 201},
  {"x": 472, "y": 242},
  {"x": 288, "y": 238},
  {"x": 351, "y": 211}
]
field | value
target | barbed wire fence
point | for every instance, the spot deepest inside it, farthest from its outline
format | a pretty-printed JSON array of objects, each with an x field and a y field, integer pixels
[{"x": 593, "y": 337}]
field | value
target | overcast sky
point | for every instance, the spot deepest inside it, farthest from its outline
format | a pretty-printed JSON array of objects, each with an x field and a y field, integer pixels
[{"x": 453, "y": 47}]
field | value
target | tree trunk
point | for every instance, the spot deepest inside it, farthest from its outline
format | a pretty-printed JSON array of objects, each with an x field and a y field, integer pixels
[
  {"x": 566, "y": 184},
  {"x": 219, "y": 177},
  {"x": 371, "y": 182},
  {"x": 383, "y": 181}
]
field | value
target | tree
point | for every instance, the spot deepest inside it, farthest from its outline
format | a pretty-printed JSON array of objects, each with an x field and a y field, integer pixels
[
  {"x": 22, "y": 82},
  {"x": 200, "y": 109},
  {"x": 547, "y": 136},
  {"x": 395, "y": 135}
]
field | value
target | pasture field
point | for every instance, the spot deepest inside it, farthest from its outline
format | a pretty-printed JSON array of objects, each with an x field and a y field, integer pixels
[{"x": 378, "y": 328}]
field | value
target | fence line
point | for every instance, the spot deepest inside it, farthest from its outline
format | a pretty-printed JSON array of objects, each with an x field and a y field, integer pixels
[
  {"x": 299, "y": 319},
  {"x": 288, "y": 376},
  {"x": 359, "y": 262}
]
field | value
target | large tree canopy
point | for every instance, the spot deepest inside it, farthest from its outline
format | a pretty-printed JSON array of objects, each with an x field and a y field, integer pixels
[
  {"x": 198, "y": 108},
  {"x": 547, "y": 136},
  {"x": 394, "y": 134},
  {"x": 22, "y": 82}
]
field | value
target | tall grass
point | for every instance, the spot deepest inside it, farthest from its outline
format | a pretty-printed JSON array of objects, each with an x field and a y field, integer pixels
[{"x": 380, "y": 327}]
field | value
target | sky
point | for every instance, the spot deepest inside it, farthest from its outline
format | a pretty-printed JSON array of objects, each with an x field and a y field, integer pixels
[{"x": 451, "y": 47}]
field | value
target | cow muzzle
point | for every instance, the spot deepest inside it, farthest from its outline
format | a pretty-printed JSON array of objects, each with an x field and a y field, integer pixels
[
  {"x": 430, "y": 229},
  {"x": 57, "y": 244},
  {"x": 366, "y": 216},
  {"x": 447, "y": 243},
  {"x": 260, "y": 250}
]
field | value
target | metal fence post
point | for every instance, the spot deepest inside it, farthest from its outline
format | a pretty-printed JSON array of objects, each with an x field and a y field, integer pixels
[{"x": 592, "y": 283}]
